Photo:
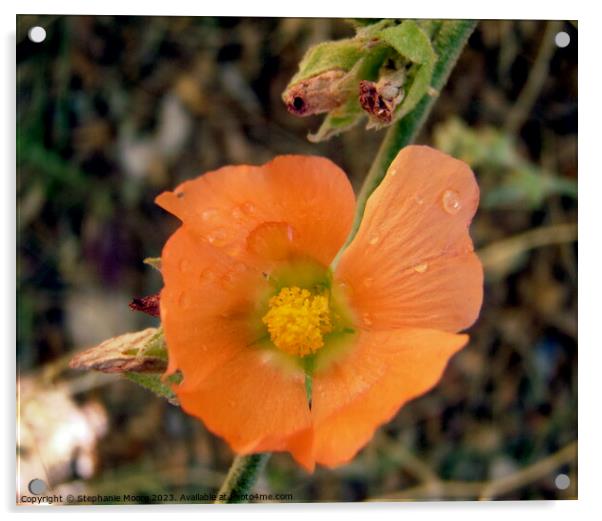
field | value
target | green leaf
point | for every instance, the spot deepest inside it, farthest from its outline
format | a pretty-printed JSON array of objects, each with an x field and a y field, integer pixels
[
  {"x": 409, "y": 40},
  {"x": 358, "y": 23},
  {"x": 494, "y": 153},
  {"x": 419, "y": 87}
]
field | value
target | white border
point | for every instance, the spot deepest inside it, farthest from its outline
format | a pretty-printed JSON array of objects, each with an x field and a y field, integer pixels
[{"x": 590, "y": 262}]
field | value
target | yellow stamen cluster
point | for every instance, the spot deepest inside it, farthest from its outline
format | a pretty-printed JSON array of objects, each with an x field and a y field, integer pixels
[{"x": 297, "y": 320}]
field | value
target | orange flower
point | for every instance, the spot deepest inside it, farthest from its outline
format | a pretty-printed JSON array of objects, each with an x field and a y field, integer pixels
[{"x": 281, "y": 352}]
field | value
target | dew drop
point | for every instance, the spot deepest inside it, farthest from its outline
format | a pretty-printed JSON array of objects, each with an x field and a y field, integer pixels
[
  {"x": 210, "y": 215},
  {"x": 235, "y": 250},
  {"x": 368, "y": 281},
  {"x": 451, "y": 202},
  {"x": 373, "y": 240},
  {"x": 290, "y": 233},
  {"x": 249, "y": 208},
  {"x": 240, "y": 267},
  {"x": 237, "y": 213},
  {"x": 228, "y": 279},
  {"x": 421, "y": 268},
  {"x": 345, "y": 288},
  {"x": 217, "y": 237},
  {"x": 419, "y": 200},
  {"x": 183, "y": 300},
  {"x": 207, "y": 276},
  {"x": 184, "y": 265},
  {"x": 367, "y": 319}
]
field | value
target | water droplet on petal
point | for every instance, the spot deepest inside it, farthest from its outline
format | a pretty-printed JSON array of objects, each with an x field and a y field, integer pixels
[
  {"x": 373, "y": 240},
  {"x": 217, "y": 237},
  {"x": 290, "y": 233},
  {"x": 249, "y": 208},
  {"x": 240, "y": 267},
  {"x": 451, "y": 202},
  {"x": 419, "y": 200},
  {"x": 237, "y": 213},
  {"x": 421, "y": 268},
  {"x": 207, "y": 276},
  {"x": 228, "y": 279},
  {"x": 183, "y": 300},
  {"x": 393, "y": 171},
  {"x": 210, "y": 215},
  {"x": 367, "y": 319},
  {"x": 368, "y": 281},
  {"x": 345, "y": 288},
  {"x": 184, "y": 265}
]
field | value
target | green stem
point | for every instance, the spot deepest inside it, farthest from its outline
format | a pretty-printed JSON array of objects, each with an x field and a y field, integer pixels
[
  {"x": 241, "y": 477},
  {"x": 448, "y": 44}
]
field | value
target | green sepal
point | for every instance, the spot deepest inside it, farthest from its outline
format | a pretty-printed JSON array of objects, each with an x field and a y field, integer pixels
[
  {"x": 155, "y": 262},
  {"x": 327, "y": 56},
  {"x": 419, "y": 88},
  {"x": 157, "y": 384},
  {"x": 358, "y": 23},
  {"x": 154, "y": 347},
  {"x": 140, "y": 351},
  {"x": 412, "y": 43},
  {"x": 409, "y": 40},
  {"x": 350, "y": 113}
]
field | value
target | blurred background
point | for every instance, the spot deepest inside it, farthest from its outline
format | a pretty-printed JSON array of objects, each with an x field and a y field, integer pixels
[{"x": 113, "y": 110}]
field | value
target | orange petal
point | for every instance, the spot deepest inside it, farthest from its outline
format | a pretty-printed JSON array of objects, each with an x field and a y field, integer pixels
[
  {"x": 310, "y": 193},
  {"x": 251, "y": 402},
  {"x": 204, "y": 305},
  {"x": 242, "y": 393},
  {"x": 410, "y": 363},
  {"x": 411, "y": 262}
]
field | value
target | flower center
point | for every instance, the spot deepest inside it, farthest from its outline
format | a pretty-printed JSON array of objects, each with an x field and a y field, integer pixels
[{"x": 297, "y": 320}]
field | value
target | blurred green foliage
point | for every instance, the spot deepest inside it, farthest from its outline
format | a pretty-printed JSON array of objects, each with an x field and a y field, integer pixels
[{"x": 518, "y": 181}]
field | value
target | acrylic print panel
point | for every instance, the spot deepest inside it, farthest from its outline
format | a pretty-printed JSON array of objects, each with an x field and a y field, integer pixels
[{"x": 337, "y": 257}]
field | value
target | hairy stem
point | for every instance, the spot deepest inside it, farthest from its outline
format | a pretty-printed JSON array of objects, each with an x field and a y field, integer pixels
[
  {"x": 241, "y": 477},
  {"x": 448, "y": 43}
]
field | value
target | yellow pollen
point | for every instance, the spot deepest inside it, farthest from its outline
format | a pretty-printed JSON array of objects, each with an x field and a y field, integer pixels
[{"x": 297, "y": 320}]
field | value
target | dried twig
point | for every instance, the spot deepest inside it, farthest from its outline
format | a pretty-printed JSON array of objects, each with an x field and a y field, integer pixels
[
  {"x": 489, "y": 489},
  {"x": 537, "y": 77},
  {"x": 498, "y": 255}
]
